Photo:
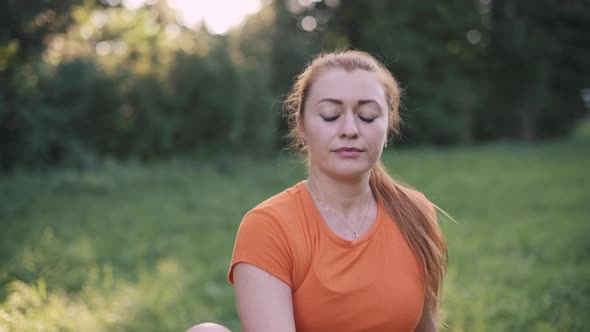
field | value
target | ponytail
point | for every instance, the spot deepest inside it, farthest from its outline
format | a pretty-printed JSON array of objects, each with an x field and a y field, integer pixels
[{"x": 416, "y": 218}]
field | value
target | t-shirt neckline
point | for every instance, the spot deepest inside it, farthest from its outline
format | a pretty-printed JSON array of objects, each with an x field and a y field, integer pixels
[{"x": 333, "y": 236}]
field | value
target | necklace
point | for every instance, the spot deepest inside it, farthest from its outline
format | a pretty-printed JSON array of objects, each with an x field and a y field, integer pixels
[{"x": 341, "y": 219}]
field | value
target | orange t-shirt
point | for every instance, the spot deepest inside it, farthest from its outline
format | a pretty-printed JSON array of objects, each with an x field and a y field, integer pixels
[{"x": 372, "y": 283}]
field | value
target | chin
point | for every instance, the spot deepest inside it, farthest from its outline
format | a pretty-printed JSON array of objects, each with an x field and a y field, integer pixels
[{"x": 348, "y": 171}]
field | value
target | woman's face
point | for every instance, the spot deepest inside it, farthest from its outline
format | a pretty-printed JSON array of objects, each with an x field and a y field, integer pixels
[{"x": 345, "y": 123}]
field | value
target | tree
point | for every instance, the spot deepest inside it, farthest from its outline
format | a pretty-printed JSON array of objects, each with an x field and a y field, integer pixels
[
  {"x": 23, "y": 30},
  {"x": 538, "y": 64}
]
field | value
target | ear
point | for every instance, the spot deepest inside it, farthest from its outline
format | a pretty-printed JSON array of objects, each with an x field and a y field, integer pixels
[{"x": 300, "y": 126}]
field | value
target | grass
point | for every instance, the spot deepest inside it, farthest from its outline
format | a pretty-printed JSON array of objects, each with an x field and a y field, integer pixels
[{"x": 145, "y": 247}]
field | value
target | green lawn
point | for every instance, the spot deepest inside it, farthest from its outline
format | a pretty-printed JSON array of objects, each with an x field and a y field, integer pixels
[{"x": 145, "y": 247}]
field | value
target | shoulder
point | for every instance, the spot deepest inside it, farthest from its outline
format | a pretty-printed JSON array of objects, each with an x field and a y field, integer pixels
[
  {"x": 267, "y": 236},
  {"x": 278, "y": 208},
  {"x": 420, "y": 200},
  {"x": 425, "y": 204}
]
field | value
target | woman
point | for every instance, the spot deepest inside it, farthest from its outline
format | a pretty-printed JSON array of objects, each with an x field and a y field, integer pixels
[{"x": 348, "y": 249}]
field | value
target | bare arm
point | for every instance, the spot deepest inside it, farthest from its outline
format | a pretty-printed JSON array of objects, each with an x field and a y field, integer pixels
[
  {"x": 428, "y": 322},
  {"x": 264, "y": 302}
]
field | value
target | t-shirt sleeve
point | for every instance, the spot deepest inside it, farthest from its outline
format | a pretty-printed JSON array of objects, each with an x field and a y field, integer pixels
[{"x": 262, "y": 241}]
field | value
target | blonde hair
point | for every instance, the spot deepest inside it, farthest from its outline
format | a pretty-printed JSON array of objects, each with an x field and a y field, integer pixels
[{"x": 413, "y": 213}]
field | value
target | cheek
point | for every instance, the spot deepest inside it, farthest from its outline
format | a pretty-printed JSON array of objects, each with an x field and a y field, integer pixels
[
  {"x": 316, "y": 140},
  {"x": 379, "y": 134},
  {"x": 318, "y": 133}
]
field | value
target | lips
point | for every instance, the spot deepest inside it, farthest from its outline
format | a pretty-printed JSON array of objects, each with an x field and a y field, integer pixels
[
  {"x": 348, "y": 149},
  {"x": 348, "y": 152}
]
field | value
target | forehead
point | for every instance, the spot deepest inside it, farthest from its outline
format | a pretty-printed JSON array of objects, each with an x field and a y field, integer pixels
[{"x": 347, "y": 86}]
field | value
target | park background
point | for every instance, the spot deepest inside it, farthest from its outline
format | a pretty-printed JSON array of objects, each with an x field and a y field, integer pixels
[{"x": 132, "y": 141}]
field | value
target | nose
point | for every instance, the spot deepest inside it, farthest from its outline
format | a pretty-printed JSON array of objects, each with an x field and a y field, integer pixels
[{"x": 349, "y": 127}]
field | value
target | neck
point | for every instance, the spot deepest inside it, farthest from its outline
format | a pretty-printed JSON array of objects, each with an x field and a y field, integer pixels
[{"x": 345, "y": 196}]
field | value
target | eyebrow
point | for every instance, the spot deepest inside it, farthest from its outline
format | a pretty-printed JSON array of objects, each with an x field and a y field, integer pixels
[{"x": 340, "y": 102}]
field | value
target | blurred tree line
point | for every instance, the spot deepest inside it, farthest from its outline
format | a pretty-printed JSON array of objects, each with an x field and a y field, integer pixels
[{"x": 81, "y": 79}]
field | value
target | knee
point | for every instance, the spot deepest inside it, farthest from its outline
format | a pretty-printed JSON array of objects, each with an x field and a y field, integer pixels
[{"x": 208, "y": 327}]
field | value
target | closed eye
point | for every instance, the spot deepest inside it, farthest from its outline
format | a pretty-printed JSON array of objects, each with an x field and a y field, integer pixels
[
  {"x": 367, "y": 120},
  {"x": 330, "y": 118},
  {"x": 334, "y": 118}
]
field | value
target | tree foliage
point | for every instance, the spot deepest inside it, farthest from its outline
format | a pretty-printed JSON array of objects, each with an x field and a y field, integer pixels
[{"x": 82, "y": 79}]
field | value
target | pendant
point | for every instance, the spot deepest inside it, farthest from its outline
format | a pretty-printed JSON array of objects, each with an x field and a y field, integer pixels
[{"x": 356, "y": 235}]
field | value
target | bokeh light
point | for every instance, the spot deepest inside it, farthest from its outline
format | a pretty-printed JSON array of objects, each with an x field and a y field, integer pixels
[{"x": 308, "y": 23}]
